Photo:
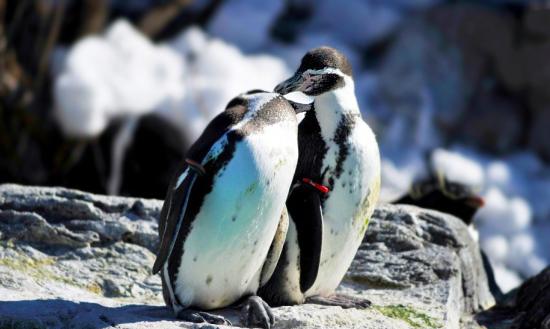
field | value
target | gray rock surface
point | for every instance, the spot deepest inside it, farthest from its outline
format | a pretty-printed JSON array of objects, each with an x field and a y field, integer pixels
[{"x": 73, "y": 259}]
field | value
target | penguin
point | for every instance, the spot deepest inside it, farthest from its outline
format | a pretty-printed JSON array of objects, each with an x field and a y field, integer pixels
[
  {"x": 460, "y": 200},
  {"x": 438, "y": 193},
  {"x": 223, "y": 222},
  {"x": 335, "y": 187}
]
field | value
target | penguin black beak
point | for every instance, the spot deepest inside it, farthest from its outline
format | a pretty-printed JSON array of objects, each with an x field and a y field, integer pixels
[{"x": 294, "y": 83}]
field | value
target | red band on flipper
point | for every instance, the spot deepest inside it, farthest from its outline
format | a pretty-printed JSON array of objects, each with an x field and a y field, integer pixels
[
  {"x": 196, "y": 166},
  {"x": 321, "y": 188}
]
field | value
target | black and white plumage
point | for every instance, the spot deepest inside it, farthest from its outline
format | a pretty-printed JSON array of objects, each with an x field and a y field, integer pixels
[
  {"x": 337, "y": 150},
  {"x": 222, "y": 212}
]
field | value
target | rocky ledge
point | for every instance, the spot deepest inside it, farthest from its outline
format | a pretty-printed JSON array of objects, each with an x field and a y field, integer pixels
[{"x": 72, "y": 259}]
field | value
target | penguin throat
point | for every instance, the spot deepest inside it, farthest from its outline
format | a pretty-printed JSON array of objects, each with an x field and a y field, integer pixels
[{"x": 332, "y": 105}]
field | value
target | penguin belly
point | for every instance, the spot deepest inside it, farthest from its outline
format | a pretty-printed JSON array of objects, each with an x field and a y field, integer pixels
[
  {"x": 230, "y": 237},
  {"x": 348, "y": 207}
]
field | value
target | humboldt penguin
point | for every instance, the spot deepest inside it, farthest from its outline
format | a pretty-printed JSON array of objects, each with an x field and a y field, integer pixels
[
  {"x": 335, "y": 186},
  {"x": 458, "y": 199},
  {"x": 221, "y": 226}
]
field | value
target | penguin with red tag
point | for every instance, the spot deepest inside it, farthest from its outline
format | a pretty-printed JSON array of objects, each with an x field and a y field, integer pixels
[
  {"x": 335, "y": 189},
  {"x": 221, "y": 226}
]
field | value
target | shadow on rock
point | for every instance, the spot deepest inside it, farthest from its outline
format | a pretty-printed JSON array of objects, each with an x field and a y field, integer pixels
[{"x": 53, "y": 313}]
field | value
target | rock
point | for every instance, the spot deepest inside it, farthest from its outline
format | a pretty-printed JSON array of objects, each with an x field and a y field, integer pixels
[
  {"x": 73, "y": 259},
  {"x": 527, "y": 307},
  {"x": 412, "y": 253}
]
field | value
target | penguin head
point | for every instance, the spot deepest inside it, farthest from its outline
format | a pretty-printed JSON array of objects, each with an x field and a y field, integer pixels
[
  {"x": 322, "y": 69},
  {"x": 263, "y": 105},
  {"x": 438, "y": 193}
]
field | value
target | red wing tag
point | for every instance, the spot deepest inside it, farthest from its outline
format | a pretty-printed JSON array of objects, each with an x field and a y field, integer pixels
[
  {"x": 196, "y": 166},
  {"x": 321, "y": 188}
]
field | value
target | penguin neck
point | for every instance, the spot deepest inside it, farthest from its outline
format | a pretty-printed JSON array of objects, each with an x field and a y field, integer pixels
[{"x": 332, "y": 106}]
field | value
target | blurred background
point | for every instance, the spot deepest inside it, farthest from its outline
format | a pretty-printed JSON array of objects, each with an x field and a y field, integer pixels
[{"x": 106, "y": 95}]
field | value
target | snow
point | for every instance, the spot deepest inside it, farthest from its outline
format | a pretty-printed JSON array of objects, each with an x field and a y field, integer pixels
[
  {"x": 457, "y": 168},
  {"x": 496, "y": 248},
  {"x": 124, "y": 75},
  {"x": 505, "y": 278},
  {"x": 116, "y": 75}
]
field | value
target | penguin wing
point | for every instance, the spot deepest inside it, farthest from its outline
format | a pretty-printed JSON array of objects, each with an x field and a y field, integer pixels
[
  {"x": 304, "y": 208},
  {"x": 172, "y": 217},
  {"x": 172, "y": 214},
  {"x": 275, "y": 250},
  {"x": 165, "y": 206}
]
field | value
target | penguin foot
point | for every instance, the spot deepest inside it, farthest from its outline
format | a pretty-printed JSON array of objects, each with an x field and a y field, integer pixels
[
  {"x": 257, "y": 313},
  {"x": 195, "y": 316},
  {"x": 344, "y": 301}
]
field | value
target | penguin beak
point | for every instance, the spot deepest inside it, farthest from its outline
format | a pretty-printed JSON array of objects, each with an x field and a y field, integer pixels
[
  {"x": 298, "y": 82},
  {"x": 475, "y": 202},
  {"x": 294, "y": 83}
]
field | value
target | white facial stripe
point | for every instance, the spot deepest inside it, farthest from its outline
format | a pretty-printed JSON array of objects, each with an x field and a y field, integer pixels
[
  {"x": 326, "y": 70},
  {"x": 299, "y": 97}
]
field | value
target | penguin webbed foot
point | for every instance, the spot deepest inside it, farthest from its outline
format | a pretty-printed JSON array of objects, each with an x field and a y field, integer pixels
[
  {"x": 191, "y": 315},
  {"x": 342, "y": 300},
  {"x": 256, "y": 312}
]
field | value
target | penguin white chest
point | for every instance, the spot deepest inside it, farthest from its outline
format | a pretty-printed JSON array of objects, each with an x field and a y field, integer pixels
[
  {"x": 230, "y": 236},
  {"x": 355, "y": 186}
]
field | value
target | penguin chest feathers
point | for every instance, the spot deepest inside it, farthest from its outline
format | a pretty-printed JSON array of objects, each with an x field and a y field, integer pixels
[
  {"x": 229, "y": 237},
  {"x": 351, "y": 169}
]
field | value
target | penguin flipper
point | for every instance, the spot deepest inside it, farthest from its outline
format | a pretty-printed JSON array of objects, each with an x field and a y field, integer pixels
[
  {"x": 276, "y": 249},
  {"x": 304, "y": 208},
  {"x": 172, "y": 212},
  {"x": 174, "y": 205},
  {"x": 163, "y": 212}
]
